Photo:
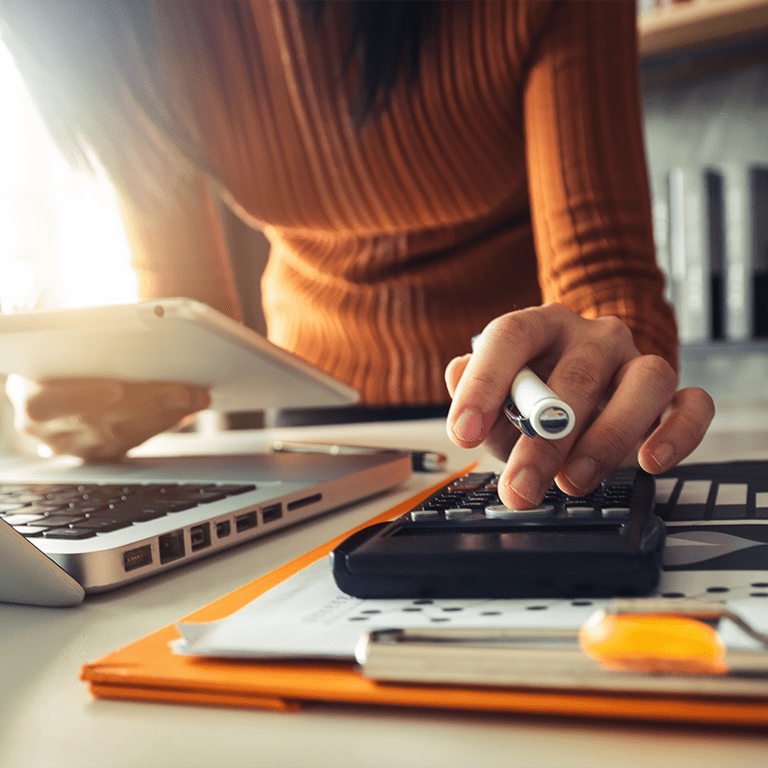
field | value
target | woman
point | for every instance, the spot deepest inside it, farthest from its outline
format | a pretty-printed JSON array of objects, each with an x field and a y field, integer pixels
[{"x": 423, "y": 171}]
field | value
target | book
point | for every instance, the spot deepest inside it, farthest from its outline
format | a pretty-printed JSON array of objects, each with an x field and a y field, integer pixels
[
  {"x": 689, "y": 253},
  {"x": 745, "y": 223}
]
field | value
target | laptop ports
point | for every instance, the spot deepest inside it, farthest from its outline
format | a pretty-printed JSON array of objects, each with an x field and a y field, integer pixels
[
  {"x": 136, "y": 558},
  {"x": 200, "y": 536},
  {"x": 272, "y": 512},
  {"x": 171, "y": 546},
  {"x": 246, "y": 522}
]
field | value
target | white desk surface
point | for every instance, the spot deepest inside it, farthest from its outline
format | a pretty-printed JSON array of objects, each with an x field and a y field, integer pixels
[{"x": 50, "y": 719}]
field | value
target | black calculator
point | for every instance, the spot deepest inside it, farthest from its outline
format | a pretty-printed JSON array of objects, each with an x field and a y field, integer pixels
[{"x": 462, "y": 542}]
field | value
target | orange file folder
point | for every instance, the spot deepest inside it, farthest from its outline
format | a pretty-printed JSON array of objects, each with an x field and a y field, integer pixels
[{"x": 148, "y": 670}]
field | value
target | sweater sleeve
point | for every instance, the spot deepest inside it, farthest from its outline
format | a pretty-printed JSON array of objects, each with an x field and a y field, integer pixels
[
  {"x": 590, "y": 199},
  {"x": 179, "y": 247}
]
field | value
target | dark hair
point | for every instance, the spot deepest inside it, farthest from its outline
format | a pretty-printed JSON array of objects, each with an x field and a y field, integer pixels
[
  {"x": 92, "y": 69},
  {"x": 388, "y": 35}
]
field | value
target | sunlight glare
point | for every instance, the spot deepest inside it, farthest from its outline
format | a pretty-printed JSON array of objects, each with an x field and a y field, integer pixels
[{"x": 62, "y": 239}]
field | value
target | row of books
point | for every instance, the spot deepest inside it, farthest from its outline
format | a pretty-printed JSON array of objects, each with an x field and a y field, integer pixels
[{"x": 711, "y": 232}]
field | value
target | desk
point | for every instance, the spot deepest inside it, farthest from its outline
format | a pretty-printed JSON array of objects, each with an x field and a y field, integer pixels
[{"x": 50, "y": 719}]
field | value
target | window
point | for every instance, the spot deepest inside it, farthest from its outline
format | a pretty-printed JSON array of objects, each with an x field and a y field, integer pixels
[{"x": 62, "y": 241}]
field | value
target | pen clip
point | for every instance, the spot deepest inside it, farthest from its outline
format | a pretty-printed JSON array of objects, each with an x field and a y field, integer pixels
[{"x": 514, "y": 415}]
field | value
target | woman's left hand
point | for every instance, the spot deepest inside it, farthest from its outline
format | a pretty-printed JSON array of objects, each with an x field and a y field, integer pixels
[{"x": 621, "y": 399}]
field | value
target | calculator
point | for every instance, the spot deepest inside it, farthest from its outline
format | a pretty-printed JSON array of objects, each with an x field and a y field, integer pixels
[{"x": 462, "y": 542}]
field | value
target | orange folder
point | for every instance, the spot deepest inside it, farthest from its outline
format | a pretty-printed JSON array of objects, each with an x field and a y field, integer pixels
[{"x": 147, "y": 670}]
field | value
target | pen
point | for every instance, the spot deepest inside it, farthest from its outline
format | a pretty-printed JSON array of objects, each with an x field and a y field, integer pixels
[
  {"x": 422, "y": 461},
  {"x": 535, "y": 409}
]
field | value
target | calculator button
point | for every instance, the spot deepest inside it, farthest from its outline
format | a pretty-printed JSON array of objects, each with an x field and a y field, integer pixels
[
  {"x": 500, "y": 512},
  {"x": 458, "y": 513},
  {"x": 580, "y": 511},
  {"x": 424, "y": 514},
  {"x": 615, "y": 513}
]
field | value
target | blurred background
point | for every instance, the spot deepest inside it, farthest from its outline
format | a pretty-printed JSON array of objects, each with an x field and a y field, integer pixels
[{"x": 704, "y": 74}]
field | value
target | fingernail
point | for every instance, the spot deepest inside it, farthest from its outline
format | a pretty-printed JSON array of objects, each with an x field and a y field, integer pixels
[
  {"x": 468, "y": 426},
  {"x": 582, "y": 472},
  {"x": 527, "y": 484},
  {"x": 663, "y": 455},
  {"x": 178, "y": 397}
]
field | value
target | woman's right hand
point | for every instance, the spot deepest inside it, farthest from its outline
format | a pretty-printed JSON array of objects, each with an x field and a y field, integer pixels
[{"x": 100, "y": 419}]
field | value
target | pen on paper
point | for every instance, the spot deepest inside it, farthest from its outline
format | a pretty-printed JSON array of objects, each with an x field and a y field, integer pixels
[
  {"x": 535, "y": 409},
  {"x": 422, "y": 461}
]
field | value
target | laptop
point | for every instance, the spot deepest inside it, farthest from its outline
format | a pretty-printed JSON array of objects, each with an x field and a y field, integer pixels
[{"x": 68, "y": 529}]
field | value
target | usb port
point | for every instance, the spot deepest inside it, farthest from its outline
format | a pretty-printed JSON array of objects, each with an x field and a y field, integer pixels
[
  {"x": 200, "y": 536},
  {"x": 245, "y": 522},
  {"x": 223, "y": 529},
  {"x": 272, "y": 512},
  {"x": 136, "y": 558},
  {"x": 171, "y": 546}
]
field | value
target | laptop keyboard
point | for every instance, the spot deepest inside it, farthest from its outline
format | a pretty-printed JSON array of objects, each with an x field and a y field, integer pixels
[{"x": 70, "y": 511}]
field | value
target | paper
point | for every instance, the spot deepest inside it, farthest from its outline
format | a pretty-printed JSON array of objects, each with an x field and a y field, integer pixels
[{"x": 307, "y": 616}]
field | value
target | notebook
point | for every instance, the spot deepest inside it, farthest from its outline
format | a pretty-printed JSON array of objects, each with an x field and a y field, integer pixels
[{"x": 68, "y": 529}]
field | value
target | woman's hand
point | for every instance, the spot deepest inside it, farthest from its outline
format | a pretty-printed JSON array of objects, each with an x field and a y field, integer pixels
[
  {"x": 100, "y": 419},
  {"x": 621, "y": 400}
]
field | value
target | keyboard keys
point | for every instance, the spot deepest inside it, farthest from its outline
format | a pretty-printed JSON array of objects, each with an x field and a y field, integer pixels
[
  {"x": 615, "y": 513},
  {"x": 579, "y": 510},
  {"x": 458, "y": 513},
  {"x": 500, "y": 512},
  {"x": 20, "y": 519},
  {"x": 68, "y": 533},
  {"x": 73, "y": 511},
  {"x": 472, "y": 502}
]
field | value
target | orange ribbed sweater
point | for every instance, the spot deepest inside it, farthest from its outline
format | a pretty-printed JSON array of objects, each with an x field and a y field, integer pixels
[{"x": 513, "y": 173}]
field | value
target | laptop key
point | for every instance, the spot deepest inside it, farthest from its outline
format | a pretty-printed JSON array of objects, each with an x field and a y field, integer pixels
[
  {"x": 134, "y": 514},
  {"x": 102, "y": 525},
  {"x": 18, "y": 520},
  {"x": 29, "y": 531},
  {"x": 68, "y": 533},
  {"x": 234, "y": 490},
  {"x": 55, "y": 521}
]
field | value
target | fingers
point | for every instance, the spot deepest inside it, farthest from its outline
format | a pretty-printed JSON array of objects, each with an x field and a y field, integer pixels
[
  {"x": 645, "y": 386},
  {"x": 581, "y": 355},
  {"x": 683, "y": 428},
  {"x": 639, "y": 391},
  {"x": 59, "y": 398},
  {"x": 101, "y": 419},
  {"x": 618, "y": 397},
  {"x": 454, "y": 371},
  {"x": 505, "y": 345}
]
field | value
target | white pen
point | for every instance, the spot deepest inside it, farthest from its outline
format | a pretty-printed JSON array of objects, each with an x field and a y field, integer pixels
[{"x": 535, "y": 409}]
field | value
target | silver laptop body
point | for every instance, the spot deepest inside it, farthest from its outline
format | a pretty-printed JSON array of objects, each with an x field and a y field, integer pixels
[{"x": 280, "y": 489}]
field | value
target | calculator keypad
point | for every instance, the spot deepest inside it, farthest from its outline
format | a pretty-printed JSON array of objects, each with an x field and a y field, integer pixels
[{"x": 474, "y": 499}]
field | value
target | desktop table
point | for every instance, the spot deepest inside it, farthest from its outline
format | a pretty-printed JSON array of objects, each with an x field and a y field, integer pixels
[{"x": 50, "y": 719}]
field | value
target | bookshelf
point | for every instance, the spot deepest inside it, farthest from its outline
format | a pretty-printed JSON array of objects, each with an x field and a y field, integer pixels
[
  {"x": 680, "y": 27},
  {"x": 704, "y": 68}
]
